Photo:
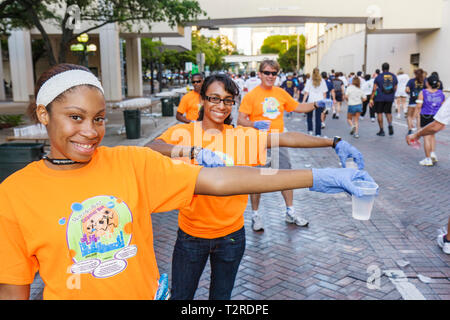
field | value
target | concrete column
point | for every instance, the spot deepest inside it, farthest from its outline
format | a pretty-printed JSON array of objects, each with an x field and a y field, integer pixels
[
  {"x": 110, "y": 62},
  {"x": 134, "y": 67},
  {"x": 21, "y": 64},
  {"x": 2, "y": 83}
]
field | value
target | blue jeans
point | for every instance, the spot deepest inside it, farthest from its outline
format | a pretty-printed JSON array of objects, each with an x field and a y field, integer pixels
[
  {"x": 318, "y": 120},
  {"x": 189, "y": 258}
]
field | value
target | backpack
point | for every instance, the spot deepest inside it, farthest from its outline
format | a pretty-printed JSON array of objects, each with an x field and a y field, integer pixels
[
  {"x": 337, "y": 84},
  {"x": 417, "y": 88},
  {"x": 388, "y": 84}
]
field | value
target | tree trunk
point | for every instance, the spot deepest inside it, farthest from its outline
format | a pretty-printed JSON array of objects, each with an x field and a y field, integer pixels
[
  {"x": 47, "y": 42},
  {"x": 66, "y": 37}
]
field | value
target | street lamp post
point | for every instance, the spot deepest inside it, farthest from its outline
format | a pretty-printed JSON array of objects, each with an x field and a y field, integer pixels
[{"x": 83, "y": 50}]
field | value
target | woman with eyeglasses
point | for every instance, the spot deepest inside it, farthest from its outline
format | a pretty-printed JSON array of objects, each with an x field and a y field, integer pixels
[
  {"x": 190, "y": 103},
  {"x": 213, "y": 227}
]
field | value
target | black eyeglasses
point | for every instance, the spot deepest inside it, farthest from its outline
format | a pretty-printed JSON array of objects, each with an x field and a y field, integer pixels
[
  {"x": 197, "y": 81},
  {"x": 217, "y": 100},
  {"x": 267, "y": 73}
]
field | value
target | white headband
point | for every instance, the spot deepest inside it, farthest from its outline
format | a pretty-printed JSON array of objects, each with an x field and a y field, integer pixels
[{"x": 59, "y": 83}]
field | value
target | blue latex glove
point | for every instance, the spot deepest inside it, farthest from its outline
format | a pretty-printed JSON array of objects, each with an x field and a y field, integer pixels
[
  {"x": 163, "y": 288},
  {"x": 321, "y": 103},
  {"x": 345, "y": 150},
  {"x": 333, "y": 180},
  {"x": 210, "y": 159},
  {"x": 263, "y": 125}
]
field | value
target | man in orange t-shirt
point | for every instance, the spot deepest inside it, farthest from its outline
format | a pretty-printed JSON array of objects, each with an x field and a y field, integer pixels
[
  {"x": 263, "y": 108},
  {"x": 190, "y": 103}
]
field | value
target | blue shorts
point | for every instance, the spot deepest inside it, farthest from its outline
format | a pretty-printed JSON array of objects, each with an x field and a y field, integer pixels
[{"x": 354, "y": 109}]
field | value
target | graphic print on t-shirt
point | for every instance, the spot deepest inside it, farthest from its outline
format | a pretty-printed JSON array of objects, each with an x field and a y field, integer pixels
[
  {"x": 98, "y": 236},
  {"x": 270, "y": 108}
]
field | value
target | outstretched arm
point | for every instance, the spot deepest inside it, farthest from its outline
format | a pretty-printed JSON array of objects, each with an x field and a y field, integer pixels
[
  {"x": 14, "y": 292},
  {"x": 170, "y": 150},
  {"x": 305, "y": 107},
  {"x": 297, "y": 140},
  {"x": 227, "y": 181},
  {"x": 430, "y": 128}
]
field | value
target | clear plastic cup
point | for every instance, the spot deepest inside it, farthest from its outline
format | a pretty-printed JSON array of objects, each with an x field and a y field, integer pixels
[
  {"x": 362, "y": 206},
  {"x": 349, "y": 163}
]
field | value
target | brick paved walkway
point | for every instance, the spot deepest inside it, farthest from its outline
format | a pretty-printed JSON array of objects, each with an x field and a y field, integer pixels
[{"x": 330, "y": 258}]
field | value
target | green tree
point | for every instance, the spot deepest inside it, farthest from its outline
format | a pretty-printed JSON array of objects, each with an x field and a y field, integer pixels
[
  {"x": 32, "y": 13},
  {"x": 287, "y": 58},
  {"x": 213, "y": 48}
]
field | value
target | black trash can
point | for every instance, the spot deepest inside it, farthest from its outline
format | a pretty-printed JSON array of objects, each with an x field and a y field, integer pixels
[
  {"x": 167, "y": 107},
  {"x": 132, "y": 123},
  {"x": 15, "y": 156}
]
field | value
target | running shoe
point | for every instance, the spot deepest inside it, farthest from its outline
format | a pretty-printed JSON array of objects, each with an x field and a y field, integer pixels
[
  {"x": 257, "y": 224},
  {"x": 443, "y": 243},
  {"x": 323, "y": 125},
  {"x": 381, "y": 133},
  {"x": 427, "y": 162},
  {"x": 310, "y": 133},
  {"x": 356, "y": 136},
  {"x": 391, "y": 130},
  {"x": 372, "y": 119},
  {"x": 337, "y": 116},
  {"x": 433, "y": 157},
  {"x": 292, "y": 217},
  {"x": 353, "y": 130}
]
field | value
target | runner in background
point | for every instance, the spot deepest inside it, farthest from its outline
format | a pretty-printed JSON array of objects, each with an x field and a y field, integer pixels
[
  {"x": 330, "y": 95},
  {"x": 354, "y": 97},
  {"x": 315, "y": 90},
  {"x": 367, "y": 88},
  {"x": 251, "y": 82},
  {"x": 428, "y": 104},
  {"x": 401, "y": 94},
  {"x": 414, "y": 87},
  {"x": 339, "y": 90},
  {"x": 383, "y": 96}
]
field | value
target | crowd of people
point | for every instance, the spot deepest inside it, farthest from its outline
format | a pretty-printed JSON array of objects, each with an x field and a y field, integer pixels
[{"x": 415, "y": 99}]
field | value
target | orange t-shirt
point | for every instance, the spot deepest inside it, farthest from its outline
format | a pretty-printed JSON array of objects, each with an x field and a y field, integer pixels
[
  {"x": 190, "y": 104},
  {"x": 89, "y": 231},
  {"x": 209, "y": 216},
  {"x": 261, "y": 104}
]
